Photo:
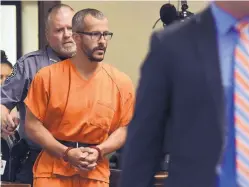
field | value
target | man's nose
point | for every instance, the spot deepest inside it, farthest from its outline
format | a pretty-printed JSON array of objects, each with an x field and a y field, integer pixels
[
  {"x": 102, "y": 40},
  {"x": 68, "y": 33}
]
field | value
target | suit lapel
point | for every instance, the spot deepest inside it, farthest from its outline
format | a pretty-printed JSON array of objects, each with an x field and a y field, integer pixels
[{"x": 207, "y": 48}]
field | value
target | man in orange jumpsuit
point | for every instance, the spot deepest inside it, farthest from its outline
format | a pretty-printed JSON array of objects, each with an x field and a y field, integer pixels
[{"x": 78, "y": 110}]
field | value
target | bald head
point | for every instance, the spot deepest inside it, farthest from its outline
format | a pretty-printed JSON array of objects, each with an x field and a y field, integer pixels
[
  {"x": 59, "y": 30},
  {"x": 53, "y": 11}
]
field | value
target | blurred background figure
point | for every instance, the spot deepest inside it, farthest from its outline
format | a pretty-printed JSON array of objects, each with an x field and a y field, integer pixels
[
  {"x": 6, "y": 70},
  {"x": 6, "y": 67}
]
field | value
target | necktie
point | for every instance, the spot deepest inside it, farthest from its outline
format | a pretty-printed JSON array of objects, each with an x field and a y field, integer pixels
[{"x": 241, "y": 104}]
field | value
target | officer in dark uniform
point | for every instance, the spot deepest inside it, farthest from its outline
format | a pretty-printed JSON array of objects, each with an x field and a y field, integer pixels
[{"x": 15, "y": 88}]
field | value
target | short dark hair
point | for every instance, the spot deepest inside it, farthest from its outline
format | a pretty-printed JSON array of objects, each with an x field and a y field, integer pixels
[
  {"x": 78, "y": 19},
  {"x": 4, "y": 59},
  {"x": 54, "y": 9}
]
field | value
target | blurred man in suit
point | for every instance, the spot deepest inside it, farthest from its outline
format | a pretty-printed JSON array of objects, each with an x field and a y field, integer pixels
[{"x": 192, "y": 102}]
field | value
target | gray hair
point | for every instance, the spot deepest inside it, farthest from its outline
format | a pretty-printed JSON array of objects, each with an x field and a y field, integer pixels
[
  {"x": 78, "y": 19},
  {"x": 54, "y": 9}
]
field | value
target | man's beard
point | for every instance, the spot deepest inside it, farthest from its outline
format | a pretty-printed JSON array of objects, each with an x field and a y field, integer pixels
[
  {"x": 90, "y": 54},
  {"x": 68, "y": 51}
]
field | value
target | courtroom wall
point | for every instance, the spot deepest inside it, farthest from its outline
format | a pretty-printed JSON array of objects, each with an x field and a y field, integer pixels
[{"x": 131, "y": 22}]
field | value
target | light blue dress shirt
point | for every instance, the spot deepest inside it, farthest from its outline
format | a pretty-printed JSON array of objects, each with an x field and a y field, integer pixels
[{"x": 227, "y": 38}]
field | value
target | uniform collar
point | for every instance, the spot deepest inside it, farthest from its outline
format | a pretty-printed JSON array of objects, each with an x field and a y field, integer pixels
[{"x": 53, "y": 57}]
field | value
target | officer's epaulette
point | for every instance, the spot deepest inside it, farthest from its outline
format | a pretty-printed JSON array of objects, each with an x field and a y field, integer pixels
[{"x": 31, "y": 54}]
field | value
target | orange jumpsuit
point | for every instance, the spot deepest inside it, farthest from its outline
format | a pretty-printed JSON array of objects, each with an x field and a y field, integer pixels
[{"x": 78, "y": 110}]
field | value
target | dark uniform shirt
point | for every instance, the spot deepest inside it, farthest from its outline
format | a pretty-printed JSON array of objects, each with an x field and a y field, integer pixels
[{"x": 15, "y": 88}]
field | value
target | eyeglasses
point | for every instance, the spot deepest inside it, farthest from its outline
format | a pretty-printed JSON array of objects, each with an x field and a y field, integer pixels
[{"x": 97, "y": 35}]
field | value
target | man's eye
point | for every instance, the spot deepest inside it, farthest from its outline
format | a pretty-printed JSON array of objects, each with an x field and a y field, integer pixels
[{"x": 59, "y": 30}]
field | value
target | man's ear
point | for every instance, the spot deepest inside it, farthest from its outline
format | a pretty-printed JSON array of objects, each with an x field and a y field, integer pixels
[{"x": 76, "y": 37}]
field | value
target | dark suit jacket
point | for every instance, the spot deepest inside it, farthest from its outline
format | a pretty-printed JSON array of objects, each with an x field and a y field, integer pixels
[{"x": 179, "y": 108}]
